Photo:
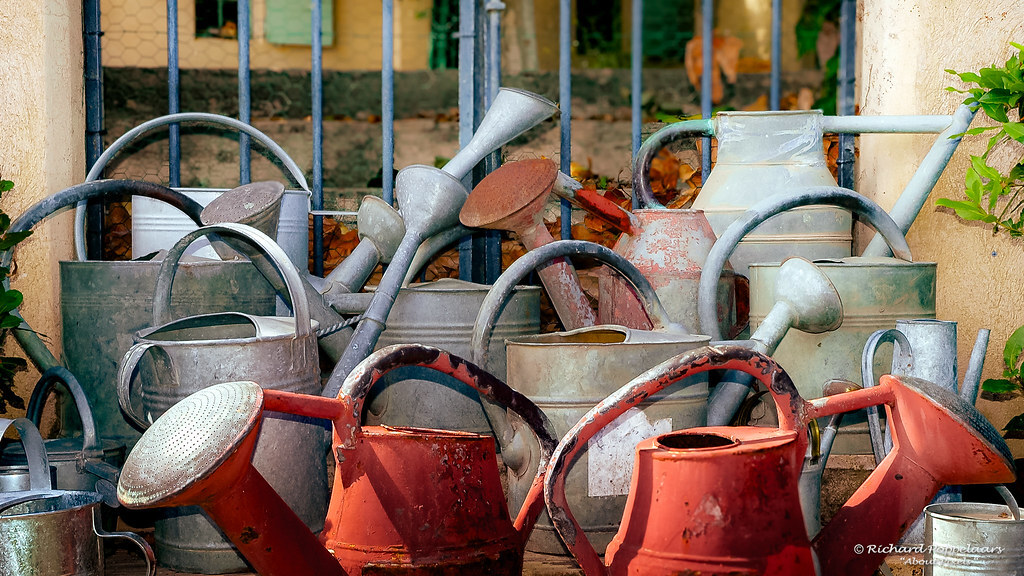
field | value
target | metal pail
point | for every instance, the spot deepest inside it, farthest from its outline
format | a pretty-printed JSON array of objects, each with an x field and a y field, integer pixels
[
  {"x": 568, "y": 373},
  {"x": 763, "y": 154},
  {"x": 189, "y": 354},
  {"x": 157, "y": 226},
  {"x": 876, "y": 292},
  {"x": 442, "y": 314},
  {"x": 58, "y": 534},
  {"x": 103, "y": 304},
  {"x": 972, "y": 538}
]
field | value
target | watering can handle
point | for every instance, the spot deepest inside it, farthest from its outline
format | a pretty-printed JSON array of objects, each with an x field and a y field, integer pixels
[
  {"x": 48, "y": 382},
  {"x": 147, "y": 551},
  {"x": 29, "y": 339},
  {"x": 879, "y": 446},
  {"x": 502, "y": 290},
  {"x": 869, "y": 212},
  {"x": 125, "y": 375},
  {"x": 35, "y": 452},
  {"x": 362, "y": 379},
  {"x": 251, "y": 236},
  {"x": 650, "y": 148},
  {"x": 791, "y": 409}
]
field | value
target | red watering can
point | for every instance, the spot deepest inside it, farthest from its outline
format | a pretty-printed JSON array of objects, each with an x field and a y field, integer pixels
[
  {"x": 406, "y": 500},
  {"x": 724, "y": 500}
]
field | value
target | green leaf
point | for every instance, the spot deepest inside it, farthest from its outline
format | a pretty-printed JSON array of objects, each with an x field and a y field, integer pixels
[
  {"x": 973, "y": 185},
  {"x": 1016, "y": 424},
  {"x": 967, "y": 76},
  {"x": 10, "y": 322},
  {"x": 1012, "y": 348},
  {"x": 966, "y": 210},
  {"x": 994, "y": 111},
  {"x": 998, "y": 386},
  {"x": 6, "y": 185},
  {"x": 10, "y": 300},
  {"x": 1014, "y": 130},
  {"x": 12, "y": 238}
]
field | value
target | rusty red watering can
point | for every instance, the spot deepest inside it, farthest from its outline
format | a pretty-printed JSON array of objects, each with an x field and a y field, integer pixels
[
  {"x": 724, "y": 500},
  {"x": 406, "y": 500}
]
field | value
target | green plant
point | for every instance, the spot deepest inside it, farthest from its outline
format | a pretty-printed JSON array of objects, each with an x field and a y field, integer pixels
[
  {"x": 996, "y": 198},
  {"x": 993, "y": 197},
  {"x": 808, "y": 27},
  {"x": 9, "y": 301}
]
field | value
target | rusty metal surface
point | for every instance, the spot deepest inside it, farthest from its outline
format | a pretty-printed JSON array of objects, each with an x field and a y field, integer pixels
[
  {"x": 939, "y": 440},
  {"x": 512, "y": 198}
]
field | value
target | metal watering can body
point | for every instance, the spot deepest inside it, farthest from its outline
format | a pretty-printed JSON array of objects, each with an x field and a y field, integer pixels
[
  {"x": 669, "y": 247},
  {"x": 566, "y": 374},
  {"x": 176, "y": 358},
  {"x": 724, "y": 501}
]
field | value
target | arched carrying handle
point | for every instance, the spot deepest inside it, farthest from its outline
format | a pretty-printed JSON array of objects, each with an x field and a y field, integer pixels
[
  {"x": 903, "y": 355},
  {"x": 650, "y": 148},
  {"x": 130, "y": 136},
  {"x": 35, "y": 452},
  {"x": 251, "y": 236},
  {"x": 359, "y": 383},
  {"x": 869, "y": 212},
  {"x": 126, "y": 369},
  {"x": 147, "y": 551},
  {"x": 792, "y": 410},
  {"x": 29, "y": 340},
  {"x": 48, "y": 382}
]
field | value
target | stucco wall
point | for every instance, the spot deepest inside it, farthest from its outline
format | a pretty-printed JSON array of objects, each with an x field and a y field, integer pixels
[
  {"x": 41, "y": 143},
  {"x": 906, "y": 45},
  {"x": 135, "y": 35}
]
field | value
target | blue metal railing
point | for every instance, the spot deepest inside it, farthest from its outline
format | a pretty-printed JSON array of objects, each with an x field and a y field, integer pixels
[{"x": 479, "y": 78}]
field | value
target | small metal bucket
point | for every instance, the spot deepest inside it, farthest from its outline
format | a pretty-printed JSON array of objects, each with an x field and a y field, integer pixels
[
  {"x": 193, "y": 353},
  {"x": 972, "y": 538},
  {"x": 566, "y": 374},
  {"x": 443, "y": 314},
  {"x": 58, "y": 534}
]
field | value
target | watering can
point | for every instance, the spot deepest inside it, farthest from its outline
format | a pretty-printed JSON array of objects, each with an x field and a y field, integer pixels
[
  {"x": 874, "y": 291},
  {"x": 430, "y": 200},
  {"x": 442, "y": 314},
  {"x": 406, "y": 500},
  {"x": 974, "y": 537},
  {"x": 566, "y": 373},
  {"x": 926, "y": 349},
  {"x": 103, "y": 303},
  {"x": 83, "y": 463},
  {"x": 45, "y": 531},
  {"x": 192, "y": 353},
  {"x": 719, "y": 500},
  {"x": 762, "y": 155}
]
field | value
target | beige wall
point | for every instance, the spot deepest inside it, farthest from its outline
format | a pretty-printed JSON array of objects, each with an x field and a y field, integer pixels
[
  {"x": 42, "y": 142},
  {"x": 135, "y": 36},
  {"x": 906, "y": 45}
]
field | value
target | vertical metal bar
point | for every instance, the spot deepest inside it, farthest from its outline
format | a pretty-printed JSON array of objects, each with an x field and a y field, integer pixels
[
  {"x": 636, "y": 90},
  {"x": 93, "y": 118},
  {"x": 775, "y": 94},
  {"x": 173, "y": 103},
  {"x": 467, "y": 110},
  {"x": 492, "y": 65},
  {"x": 565, "y": 102},
  {"x": 244, "y": 100},
  {"x": 707, "y": 37},
  {"x": 845, "y": 93},
  {"x": 387, "y": 90},
  {"x": 317, "y": 80}
]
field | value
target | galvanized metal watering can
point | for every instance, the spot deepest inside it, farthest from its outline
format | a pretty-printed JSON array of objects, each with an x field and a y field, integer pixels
[
  {"x": 46, "y": 531},
  {"x": 192, "y": 353},
  {"x": 406, "y": 500},
  {"x": 924, "y": 349},
  {"x": 429, "y": 201},
  {"x": 762, "y": 155},
  {"x": 719, "y": 500},
  {"x": 104, "y": 303},
  {"x": 874, "y": 292}
]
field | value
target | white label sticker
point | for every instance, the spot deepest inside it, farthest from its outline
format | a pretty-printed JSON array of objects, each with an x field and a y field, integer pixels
[{"x": 611, "y": 450}]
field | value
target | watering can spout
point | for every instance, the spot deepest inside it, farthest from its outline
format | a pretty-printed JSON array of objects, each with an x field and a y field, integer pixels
[{"x": 972, "y": 378}]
